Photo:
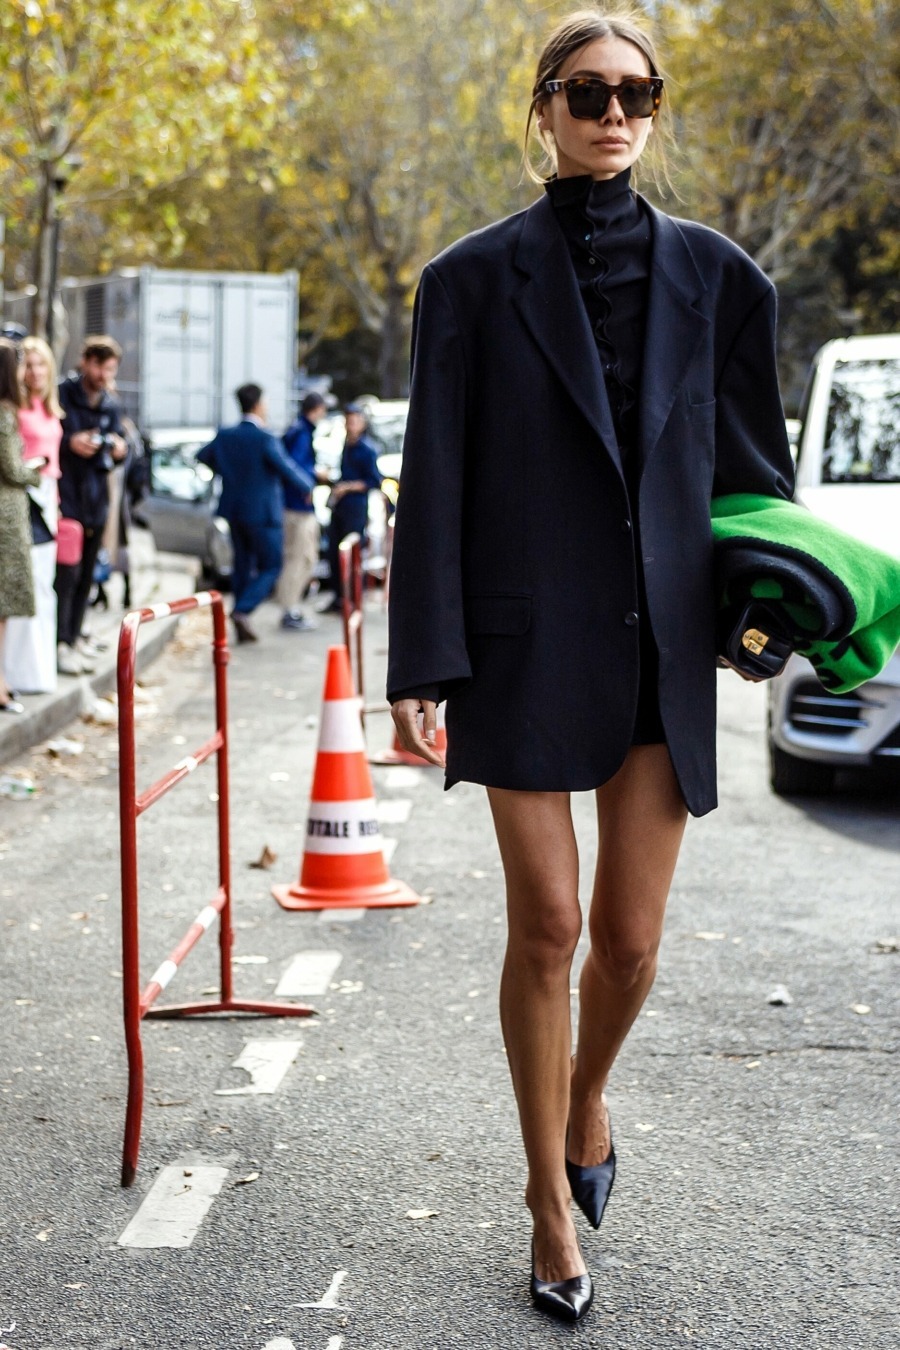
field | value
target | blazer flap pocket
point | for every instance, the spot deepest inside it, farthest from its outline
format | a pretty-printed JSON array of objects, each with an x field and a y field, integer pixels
[{"x": 506, "y": 614}]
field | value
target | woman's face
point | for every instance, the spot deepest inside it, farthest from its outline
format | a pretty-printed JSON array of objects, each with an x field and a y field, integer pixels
[
  {"x": 611, "y": 143},
  {"x": 37, "y": 373}
]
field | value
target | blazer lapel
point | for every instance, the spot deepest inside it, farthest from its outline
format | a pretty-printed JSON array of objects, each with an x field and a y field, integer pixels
[
  {"x": 551, "y": 306},
  {"x": 675, "y": 327}
]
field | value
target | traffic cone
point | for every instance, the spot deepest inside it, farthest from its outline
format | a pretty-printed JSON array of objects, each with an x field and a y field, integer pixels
[
  {"x": 397, "y": 755},
  {"x": 343, "y": 862}
]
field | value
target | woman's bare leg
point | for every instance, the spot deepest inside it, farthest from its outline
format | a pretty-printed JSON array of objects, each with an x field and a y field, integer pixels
[
  {"x": 540, "y": 860},
  {"x": 641, "y": 817}
]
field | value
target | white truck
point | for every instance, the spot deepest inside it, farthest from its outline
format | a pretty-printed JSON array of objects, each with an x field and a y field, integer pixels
[{"x": 189, "y": 339}]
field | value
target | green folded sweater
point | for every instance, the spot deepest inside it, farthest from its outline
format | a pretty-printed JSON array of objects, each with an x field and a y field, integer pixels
[{"x": 867, "y": 580}]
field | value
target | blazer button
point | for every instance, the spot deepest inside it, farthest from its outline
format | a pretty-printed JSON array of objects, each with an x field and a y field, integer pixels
[
  {"x": 631, "y": 618},
  {"x": 626, "y": 527}
]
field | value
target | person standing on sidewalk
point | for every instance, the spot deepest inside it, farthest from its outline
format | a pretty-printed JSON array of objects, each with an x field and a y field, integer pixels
[
  {"x": 568, "y": 617},
  {"x": 301, "y": 529},
  {"x": 92, "y": 445},
  {"x": 253, "y": 467},
  {"x": 16, "y": 583},
  {"x": 349, "y": 498},
  {"x": 31, "y": 643}
]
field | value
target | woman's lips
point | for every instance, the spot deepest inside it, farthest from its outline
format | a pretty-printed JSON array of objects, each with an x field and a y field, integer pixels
[{"x": 612, "y": 142}]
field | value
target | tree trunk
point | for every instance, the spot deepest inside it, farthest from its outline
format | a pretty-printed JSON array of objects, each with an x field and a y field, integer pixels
[
  {"x": 43, "y": 255},
  {"x": 393, "y": 373}
]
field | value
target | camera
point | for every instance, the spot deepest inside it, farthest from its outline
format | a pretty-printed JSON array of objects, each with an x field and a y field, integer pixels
[{"x": 104, "y": 458}]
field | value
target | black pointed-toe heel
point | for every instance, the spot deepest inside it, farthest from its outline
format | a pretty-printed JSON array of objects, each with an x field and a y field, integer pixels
[
  {"x": 591, "y": 1186},
  {"x": 567, "y": 1300}
]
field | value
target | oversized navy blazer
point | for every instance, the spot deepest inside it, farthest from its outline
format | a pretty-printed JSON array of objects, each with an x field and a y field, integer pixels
[{"x": 513, "y": 583}]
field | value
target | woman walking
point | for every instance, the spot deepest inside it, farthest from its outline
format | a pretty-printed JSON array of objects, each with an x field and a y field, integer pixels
[
  {"x": 586, "y": 375},
  {"x": 16, "y": 585},
  {"x": 31, "y": 643}
]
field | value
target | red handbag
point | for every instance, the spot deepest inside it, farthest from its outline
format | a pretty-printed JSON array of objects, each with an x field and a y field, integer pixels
[{"x": 69, "y": 541}]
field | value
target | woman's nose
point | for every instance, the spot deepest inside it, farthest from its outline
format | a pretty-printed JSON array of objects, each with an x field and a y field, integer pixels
[{"x": 614, "y": 111}]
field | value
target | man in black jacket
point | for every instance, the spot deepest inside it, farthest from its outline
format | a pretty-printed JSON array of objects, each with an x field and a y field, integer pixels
[{"x": 92, "y": 444}]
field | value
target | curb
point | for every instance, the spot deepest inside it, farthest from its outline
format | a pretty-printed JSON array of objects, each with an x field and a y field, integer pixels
[{"x": 56, "y": 711}]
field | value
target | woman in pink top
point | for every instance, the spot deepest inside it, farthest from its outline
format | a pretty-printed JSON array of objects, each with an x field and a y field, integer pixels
[{"x": 31, "y": 643}]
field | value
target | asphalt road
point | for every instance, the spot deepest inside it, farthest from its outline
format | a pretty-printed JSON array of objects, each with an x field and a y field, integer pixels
[{"x": 756, "y": 1200}]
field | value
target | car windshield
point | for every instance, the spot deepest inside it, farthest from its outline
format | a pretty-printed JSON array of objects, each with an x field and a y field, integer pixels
[
  {"x": 862, "y": 435},
  {"x": 386, "y": 430}
]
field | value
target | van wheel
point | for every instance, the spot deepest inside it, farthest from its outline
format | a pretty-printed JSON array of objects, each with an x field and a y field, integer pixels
[{"x": 791, "y": 777}]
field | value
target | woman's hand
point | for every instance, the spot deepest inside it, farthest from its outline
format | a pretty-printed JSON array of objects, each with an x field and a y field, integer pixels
[{"x": 405, "y": 713}]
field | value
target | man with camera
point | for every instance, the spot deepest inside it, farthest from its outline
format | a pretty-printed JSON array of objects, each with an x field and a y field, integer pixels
[{"x": 92, "y": 444}]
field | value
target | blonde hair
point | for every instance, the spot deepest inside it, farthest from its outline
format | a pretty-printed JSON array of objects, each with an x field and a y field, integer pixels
[
  {"x": 49, "y": 397},
  {"x": 572, "y": 33}
]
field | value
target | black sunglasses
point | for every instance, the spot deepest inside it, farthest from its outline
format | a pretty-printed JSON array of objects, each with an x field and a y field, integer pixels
[{"x": 588, "y": 97}]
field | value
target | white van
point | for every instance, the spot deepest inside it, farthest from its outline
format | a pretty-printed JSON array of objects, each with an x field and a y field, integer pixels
[{"x": 848, "y": 472}]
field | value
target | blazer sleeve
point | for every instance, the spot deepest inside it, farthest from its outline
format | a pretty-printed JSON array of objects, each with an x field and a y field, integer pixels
[
  {"x": 427, "y": 641},
  {"x": 208, "y": 457},
  {"x": 752, "y": 449},
  {"x": 281, "y": 462}
]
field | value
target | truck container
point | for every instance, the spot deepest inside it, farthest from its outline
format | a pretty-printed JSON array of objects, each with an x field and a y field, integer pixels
[{"x": 189, "y": 339}]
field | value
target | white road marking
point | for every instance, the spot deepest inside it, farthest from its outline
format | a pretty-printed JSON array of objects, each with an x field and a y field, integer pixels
[
  {"x": 335, "y": 1343},
  {"x": 266, "y": 1062},
  {"x": 280, "y": 1343},
  {"x": 330, "y": 1298},
  {"x": 389, "y": 848},
  {"x": 308, "y": 973},
  {"x": 403, "y": 776},
  {"x": 174, "y": 1207},
  {"x": 394, "y": 811},
  {"x": 338, "y": 915}
]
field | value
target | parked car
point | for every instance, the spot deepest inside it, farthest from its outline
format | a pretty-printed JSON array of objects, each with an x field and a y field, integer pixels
[
  {"x": 848, "y": 472},
  {"x": 181, "y": 506}
]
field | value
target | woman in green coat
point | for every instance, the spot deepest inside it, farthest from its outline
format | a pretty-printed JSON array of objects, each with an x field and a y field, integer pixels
[{"x": 16, "y": 584}]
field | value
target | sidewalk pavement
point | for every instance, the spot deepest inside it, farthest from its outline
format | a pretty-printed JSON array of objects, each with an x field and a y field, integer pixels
[{"x": 155, "y": 577}]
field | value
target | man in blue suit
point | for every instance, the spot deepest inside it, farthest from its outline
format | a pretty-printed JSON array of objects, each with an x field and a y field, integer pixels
[{"x": 254, "y": 468}]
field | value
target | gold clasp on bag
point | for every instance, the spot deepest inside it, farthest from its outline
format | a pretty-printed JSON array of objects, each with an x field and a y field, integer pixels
[{"x": 754, "y": 640}]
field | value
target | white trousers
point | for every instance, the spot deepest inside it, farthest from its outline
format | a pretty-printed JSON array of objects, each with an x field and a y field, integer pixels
[{"x": 30, "y": 652}]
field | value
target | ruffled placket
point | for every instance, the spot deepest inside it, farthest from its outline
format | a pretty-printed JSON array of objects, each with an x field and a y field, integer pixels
[{"x": 609, "y": 240}]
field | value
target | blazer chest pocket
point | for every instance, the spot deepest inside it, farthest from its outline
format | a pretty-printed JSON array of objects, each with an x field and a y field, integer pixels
[
  {"x": 701, "y": 413},
  {"x": 507, "y": 615}
]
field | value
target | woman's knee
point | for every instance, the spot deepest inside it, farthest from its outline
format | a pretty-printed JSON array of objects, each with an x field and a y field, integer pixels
[
  {"x": 545, "y": 934},
  {"x": 624, "y": 959}
]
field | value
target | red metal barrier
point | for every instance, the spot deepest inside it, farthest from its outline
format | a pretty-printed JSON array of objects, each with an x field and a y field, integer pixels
[{"x": 137, "y": 1004}]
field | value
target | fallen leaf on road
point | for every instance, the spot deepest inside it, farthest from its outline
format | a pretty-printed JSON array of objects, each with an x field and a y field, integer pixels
[
  {"x": 645, "y": 1129},
  {"x": 265, "y": 859},
  {"x": 250, "y": 960},
  {"x": 861, "y": 1008},
  {"x": 43, "y": 1234},
  {"x": 888, "y": 944},
  {"x": 79, "y": 1284},
  {"x": 779, "y": 997},
  {"x": 417, "y": 1214},
  {"x": 245, "y": 1181},
  {"x": 79, "y": 914},
  {"x": 710, "y": 937}
]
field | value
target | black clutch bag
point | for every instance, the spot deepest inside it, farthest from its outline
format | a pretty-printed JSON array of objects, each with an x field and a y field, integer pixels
[
  {"x": 40, "y": 530},
  {"x": 773, "y": 601}
]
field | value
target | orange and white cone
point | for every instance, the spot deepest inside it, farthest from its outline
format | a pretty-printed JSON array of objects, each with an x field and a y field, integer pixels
[
  {"x": 343, "y": 861},
  {"x": 397, "y": 755}
]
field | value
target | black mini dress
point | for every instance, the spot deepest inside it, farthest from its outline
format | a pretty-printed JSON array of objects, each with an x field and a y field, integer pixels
[{"x": 609, "y": 239}]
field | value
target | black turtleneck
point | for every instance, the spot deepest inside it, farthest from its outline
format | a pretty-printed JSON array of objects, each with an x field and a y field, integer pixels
[{"x": 608, "y": 234}]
